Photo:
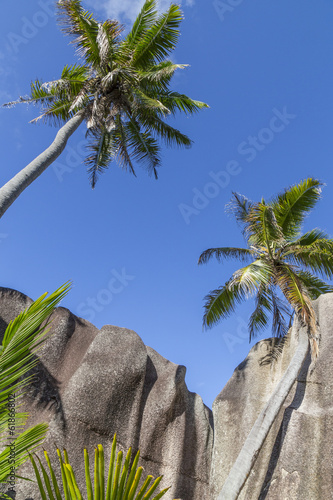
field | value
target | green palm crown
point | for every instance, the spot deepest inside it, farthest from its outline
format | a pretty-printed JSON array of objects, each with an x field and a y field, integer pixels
[
  {"x": 122, "y": 87},
  {"x": 281, "y": 259}
]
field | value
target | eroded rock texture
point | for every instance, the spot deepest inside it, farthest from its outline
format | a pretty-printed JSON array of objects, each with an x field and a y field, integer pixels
[
  {"x": 92, "y": 383},
  {"x": 297, "y": 458}
]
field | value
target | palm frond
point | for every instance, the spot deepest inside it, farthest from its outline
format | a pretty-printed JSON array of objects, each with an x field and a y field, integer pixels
[
  {"x": 75, "y": 76},
  {"x": 309, "y": 238},
  {"x": 122, "y": 146},
  {"x": 157, "y": 41},
  {"x": 39, "y": 95},
  {"x": 317, "y": 257},
  {"x": 28, "y": 440},
  {"x": 22, "y": 339},
  {"x": 143, "y": 146},
  {"x": 58, "y": 99},
  {"x": 170, "y": 135},
  {"x": 25, "y": 334},
  {"x": 240, "y": 206},
  {"x": 145, "y": 20},
  {"x": 122, "y": 482},
  {"x": 119, "y": 76},
  {"x": 296, "y": 294},
  {"x": 102, "y": 151},
  {"x": 280, "y": 310},
  {"x": 262, "y": 228},
  {"x": 259, "y": 318},
  {"x": 148, "y": 103},
  {"x": 243, "y": 284},
  {"x": 220, "y": 254},
  {"x": 294, "y": 204},
  {"x": 220, "y": 303},
  {"x": 107, "y": 38},
  {"x": 250, "y": 278},
  {"x": 314, "y": 285},
  {"x": 57, "y": 113},
  {"x": 159, "y": 76},
  {"x": 180, "y": 102},
  {"x": 81, "y": 25}
]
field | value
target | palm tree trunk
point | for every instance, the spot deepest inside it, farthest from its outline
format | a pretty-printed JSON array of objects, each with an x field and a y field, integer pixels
[
  {"x": 248, "y": 454},
  {"x": 13, "y": 188}
]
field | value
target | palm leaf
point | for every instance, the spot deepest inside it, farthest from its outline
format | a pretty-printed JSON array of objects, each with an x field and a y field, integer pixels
[
  {"x": 240, "y": 206},
  {"x": 122, "y": 482},
  {"x": 250, "y": 278},
  {"x": 26, "y": 441},
  {"x": 22, "y": 339},
  {"x": 143, "y": 146},
  {"x": 280, "y": 309},
  {"x": 57, "y": 113},
  {"x": 157, "y": 41},
  {"x": 220, "y": 303},
  {"x": 309, "y": 238},
  {"x": 159, "y": 76},
  {"x": 122, "y": 146},
  {"x": 180, "y": 102},
  {"x": 72, "y": 79},
  {"x": 102, "y": 148},
  {"x": 148, "y": 103},
  {"x": 259, "y": 318},
  {"x": 142, "y": 24},
  {"x": 107, "y": 39},
  {"x": 244, "y": 283},
  {"x": 292, "y": 206},
  {"x": 170, "y": 135},
  {"x": 295, "y": 293},
  {"x": 314, "y": 285},
  {"x": 262, "y": 228},
  {"x": 81, "y": 25},
  {"x": 317, "y": 257},
  {"x": 220, "y": 254}
]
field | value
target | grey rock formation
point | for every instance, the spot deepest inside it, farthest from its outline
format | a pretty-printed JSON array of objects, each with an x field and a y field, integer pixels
[
  {"x": 295, "y": 462},
  {"x": 91, "y": 384}
]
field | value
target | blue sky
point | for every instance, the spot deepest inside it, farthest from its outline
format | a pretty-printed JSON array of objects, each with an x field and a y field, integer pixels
[{"x": 131, "y": 245}]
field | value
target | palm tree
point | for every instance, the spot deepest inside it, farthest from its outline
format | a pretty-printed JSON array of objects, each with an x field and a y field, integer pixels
[
  {"x": 121, "y": 90},
  {"x": 282, "y": 277},
  {"x": 22, "y": 338}
]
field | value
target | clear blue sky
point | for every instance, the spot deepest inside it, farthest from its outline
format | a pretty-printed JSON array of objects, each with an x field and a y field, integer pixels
[{"x": 131, "y": 245}]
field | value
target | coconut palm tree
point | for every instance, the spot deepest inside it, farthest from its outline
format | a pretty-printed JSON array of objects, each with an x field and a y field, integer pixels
[
  {"x": 121, "y": 90},
  {"x": 282, "y": 278},
  {"x": 22, "y": 339}
]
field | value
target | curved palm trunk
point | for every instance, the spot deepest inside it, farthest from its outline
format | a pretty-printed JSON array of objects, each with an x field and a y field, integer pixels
[
  {"x": 13, "y": 188},
  {"x": 248, "y": 454}
]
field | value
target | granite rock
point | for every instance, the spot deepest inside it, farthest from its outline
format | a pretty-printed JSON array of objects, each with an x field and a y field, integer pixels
[
  {"x": 92, "y": 383},
  {"x": 295, "y": 462}
]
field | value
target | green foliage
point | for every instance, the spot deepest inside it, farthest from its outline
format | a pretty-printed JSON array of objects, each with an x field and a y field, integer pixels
[
  {"x": 122, "y": 88},
  {"x": 121, "y": 483},
  {"x": 22, "y": 339},
  {"x": 283, "y": 260}
]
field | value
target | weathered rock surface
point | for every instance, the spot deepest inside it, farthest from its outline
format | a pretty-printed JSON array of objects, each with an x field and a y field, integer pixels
[
  {"x": 94, "y": 383},
  {"x": 296, "y": 461}
]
